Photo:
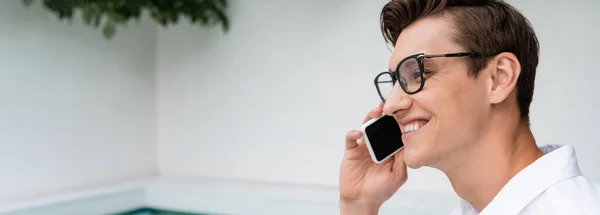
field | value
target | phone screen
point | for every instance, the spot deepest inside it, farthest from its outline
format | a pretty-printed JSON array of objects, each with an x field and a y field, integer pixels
[{"x": 384, "y": 136}]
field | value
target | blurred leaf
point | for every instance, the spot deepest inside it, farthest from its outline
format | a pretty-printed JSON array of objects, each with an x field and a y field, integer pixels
[
  {"x": 27, "y": 2},
  {"x": 119, "y": 12},
  {"x": 109, "y": 30},
  {"x": 97, "y": 20},
  {"x": 116, "y": 17},
  {"x": 223, "y": 2},
  {"x": 174, "y": 17},
  {"x": 88, "y": 15}
]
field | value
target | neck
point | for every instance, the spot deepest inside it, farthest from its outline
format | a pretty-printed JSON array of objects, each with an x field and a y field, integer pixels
[{"x": 487, "y": 166}]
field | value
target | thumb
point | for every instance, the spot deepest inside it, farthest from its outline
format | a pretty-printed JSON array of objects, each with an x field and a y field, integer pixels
[{"x": 351, "y": 138}]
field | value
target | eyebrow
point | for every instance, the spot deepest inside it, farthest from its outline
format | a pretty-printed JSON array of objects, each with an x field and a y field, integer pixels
[{"x": 431, "y": 63}]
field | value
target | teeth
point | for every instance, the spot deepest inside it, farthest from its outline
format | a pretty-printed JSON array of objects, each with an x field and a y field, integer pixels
[{"x": 410, "y": 128}]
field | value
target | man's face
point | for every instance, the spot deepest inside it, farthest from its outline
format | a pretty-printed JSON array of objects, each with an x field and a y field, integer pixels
[{"x": 450, "y": 108}]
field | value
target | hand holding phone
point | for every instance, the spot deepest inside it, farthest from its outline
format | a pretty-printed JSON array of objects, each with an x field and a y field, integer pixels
[{"x": 364, "y": 184}]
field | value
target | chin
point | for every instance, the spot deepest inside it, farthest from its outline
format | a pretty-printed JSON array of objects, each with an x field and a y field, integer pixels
[{"x": 415, "y": 158}]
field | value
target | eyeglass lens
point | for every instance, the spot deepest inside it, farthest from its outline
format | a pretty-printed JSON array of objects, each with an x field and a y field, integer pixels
[{"x": 411, "y": 78}]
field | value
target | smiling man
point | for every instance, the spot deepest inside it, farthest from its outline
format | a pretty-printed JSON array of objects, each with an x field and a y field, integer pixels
[{"x": 463, "y": 76}]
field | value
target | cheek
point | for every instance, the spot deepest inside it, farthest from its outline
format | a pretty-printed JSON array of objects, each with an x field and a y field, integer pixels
[
  {"x": 450, "y": 100},
  {"x": 473, "y": 99},
  {"x": 457, "y": 107}
]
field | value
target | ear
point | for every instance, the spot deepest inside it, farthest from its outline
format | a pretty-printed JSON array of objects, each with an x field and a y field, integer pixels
[{"x": 504, "y": 76}]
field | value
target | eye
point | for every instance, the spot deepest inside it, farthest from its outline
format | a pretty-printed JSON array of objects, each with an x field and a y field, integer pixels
[
  {"x": 416, "y": 75},
  {"x": 428, "y": 73}
]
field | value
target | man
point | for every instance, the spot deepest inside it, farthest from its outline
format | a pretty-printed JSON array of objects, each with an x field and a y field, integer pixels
[{"x": 464, "y": 75}]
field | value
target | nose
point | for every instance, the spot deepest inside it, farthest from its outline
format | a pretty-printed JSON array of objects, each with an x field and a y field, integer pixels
[{"x": 398, "y": 101}]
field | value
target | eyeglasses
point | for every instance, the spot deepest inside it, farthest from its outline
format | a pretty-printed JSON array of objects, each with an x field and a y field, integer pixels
[{"x": 410, "y": 74}]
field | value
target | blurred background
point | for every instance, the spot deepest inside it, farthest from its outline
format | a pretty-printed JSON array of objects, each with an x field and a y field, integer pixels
[{"x": 248, "y": 120}]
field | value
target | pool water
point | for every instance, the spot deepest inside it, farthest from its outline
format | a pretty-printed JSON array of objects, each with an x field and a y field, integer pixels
[{"x": 151, "y": 211}]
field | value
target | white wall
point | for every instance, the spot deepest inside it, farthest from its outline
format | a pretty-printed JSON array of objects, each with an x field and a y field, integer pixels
[
  {"x": 272, "y": 99},
  {"x": 565, "y": 104},
  {"x": 75, "y": 110}
]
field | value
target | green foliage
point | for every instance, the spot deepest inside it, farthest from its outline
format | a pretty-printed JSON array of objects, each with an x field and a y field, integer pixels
[{"x": 112, "y": 13}]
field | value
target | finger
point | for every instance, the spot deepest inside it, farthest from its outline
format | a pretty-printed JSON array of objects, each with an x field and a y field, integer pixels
[
  {"x": 351, "y": 139},
  {"x": 375, "y": 113},
  {"x": 400, "y": 165}
]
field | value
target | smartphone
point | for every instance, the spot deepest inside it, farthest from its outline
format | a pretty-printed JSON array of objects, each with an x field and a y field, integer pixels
[{"x": 383, "y": 137}]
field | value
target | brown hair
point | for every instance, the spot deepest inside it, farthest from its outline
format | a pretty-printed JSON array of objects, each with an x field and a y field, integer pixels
[{"x": 488, "y": 27}]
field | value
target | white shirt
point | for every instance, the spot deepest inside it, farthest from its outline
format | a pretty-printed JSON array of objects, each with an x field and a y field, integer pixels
[{"x": 551, "y": 185}]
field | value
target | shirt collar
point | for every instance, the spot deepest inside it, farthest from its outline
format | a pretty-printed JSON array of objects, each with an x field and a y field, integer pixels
[{"x": 557, "y": 164}]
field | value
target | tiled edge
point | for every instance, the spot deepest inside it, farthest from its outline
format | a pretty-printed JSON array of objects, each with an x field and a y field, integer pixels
[
  {"x": 99, "y": 200},
  {"x": 220, "y": 197},
  {"x": 247, "y": 198}
]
